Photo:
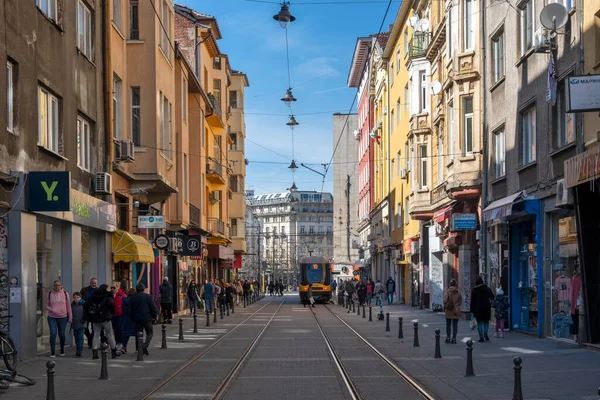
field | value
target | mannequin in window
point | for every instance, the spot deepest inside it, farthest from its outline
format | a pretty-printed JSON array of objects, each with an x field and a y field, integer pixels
[
  {"x": 576, "y": 283},
  {"x": 563, "y": 287}
]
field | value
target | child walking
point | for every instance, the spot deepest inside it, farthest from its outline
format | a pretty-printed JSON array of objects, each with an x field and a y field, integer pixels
[
  {"x": 79, "y": 322},
  {"x": 500, "y": 305}
]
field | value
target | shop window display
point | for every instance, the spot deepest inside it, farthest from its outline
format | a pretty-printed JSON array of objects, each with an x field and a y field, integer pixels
[
  {"x": 566, "y": 277},
  {"x": 45, "y": 276}
]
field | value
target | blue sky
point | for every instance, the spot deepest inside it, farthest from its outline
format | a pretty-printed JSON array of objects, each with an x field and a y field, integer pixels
[{"x": 321, "y": 43}]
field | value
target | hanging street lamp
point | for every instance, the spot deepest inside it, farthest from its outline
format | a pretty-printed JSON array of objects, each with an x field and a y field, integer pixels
[
  {"x": 293, "y": 166},
  {"x": 284, "y": 17},
  {"x": 289, "y": 98},
  {"x": 292, "y": 123},
  {"x": 293, "y": 188}
]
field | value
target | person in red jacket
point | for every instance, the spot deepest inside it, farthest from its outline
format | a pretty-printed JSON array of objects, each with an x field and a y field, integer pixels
[{"x": 117, "y": 319}]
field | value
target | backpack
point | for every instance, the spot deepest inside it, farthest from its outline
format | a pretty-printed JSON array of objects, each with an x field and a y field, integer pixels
[
  {"x": 67, "y": 299},
  {"x": 93, "y": 310}
]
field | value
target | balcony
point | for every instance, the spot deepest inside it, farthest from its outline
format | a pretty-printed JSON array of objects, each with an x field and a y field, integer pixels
[
  {"x": 214, "y": 172},
  {"x": 418, "y": 45},
  {"x": 217, "y": 115},
  {"x": 194, "y": 216},
  {"x": 215, "y": 225},
  {"x": 420, "y": 124}
]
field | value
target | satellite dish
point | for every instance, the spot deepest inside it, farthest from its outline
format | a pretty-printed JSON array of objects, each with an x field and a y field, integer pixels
[
  {"x": 422, "y": 25},
  {"x": 412, "y": 21},
  {"x": 435, "y": 87},
  {"x": 554, "y": 16}
]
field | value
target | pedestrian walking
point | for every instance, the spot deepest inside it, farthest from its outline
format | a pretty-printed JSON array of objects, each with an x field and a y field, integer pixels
[
  {"x": 209, "y": 296},
  {"x": 333, "y": 287},
  {"x": 117, "y": 319},
  {"x": 59, "y": 310},
  {"x": 229, "y": 293},
  {"x": 166, "y": 299},
  {"x": 193, "y": 297},
  {"x": 100, "y": 311},
  {"x": 481, "y": 298},
  {"x": 86, "y": 294},
  {"x": 361, "y": 291},
  {"x": 452, "y": 303},
  {"x": 128, "y": 323},
  {"x": 390, "y": 287},
  {"x": 222, "y": 295},
  {"x": 143, "y": 312},
  {"x": 79, "y": 322},
  {"x": 500, "y": 305},
  {"x": 309, "y": 297},
  {"x": 370, "y": 288},
  {"x": 379, "y": 293}
]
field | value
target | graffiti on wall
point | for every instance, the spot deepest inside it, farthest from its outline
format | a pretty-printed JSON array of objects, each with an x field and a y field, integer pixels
[
  {"x": 437, "y": 283},
  {"x": 4, "y": 281}
]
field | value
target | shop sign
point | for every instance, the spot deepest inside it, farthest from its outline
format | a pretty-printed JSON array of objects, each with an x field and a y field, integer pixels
[
  {"x": 49, "y": 191},
  {"x": 152, "y": 222},
  {"x": 582, "y": 168},
  {"x": 463, "y": 222},
  {"x": 161, "y": 242},
  {"x": 584, "y": 93},
  {"x": 190, "y": 246}
]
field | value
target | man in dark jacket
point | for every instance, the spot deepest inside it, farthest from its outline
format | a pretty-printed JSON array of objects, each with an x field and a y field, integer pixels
[
  {"x": 481, "y": 298},
  {"x": 166, "y": 299},
  {"x": 100, "y": 311},
  {"x": 142, "y": 311},
  {"x": 390, "y": 286},
  {"x": 86, "y": 295}
]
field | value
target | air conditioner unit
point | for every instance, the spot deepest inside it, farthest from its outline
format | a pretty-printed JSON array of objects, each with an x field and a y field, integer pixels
[
  {"x": 564, "y": 197},
  {"x": 125, "y": 150},
  {"x": 103, "y": 183},
  {"x": 395, "y": 254},
  {"x": 541, "y": 41},
  {"x": 403, "y": 173},
  {"x": 215, "y": 196},
  {"x": 384, "y": 111},
  {"x": 498, "y": 233},
  {"x": 173, "y": 245},
  {"x": 379, "y": 123}
]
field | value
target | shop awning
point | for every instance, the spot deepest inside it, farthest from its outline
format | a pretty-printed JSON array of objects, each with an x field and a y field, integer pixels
[
  {"x": 502, "y": 207},
  {"x": 443, "y": 214},
  {"x": 128, "y": 247}
]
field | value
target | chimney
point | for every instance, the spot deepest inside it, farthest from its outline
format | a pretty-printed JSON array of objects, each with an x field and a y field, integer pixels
[{"x": 391, "y": 27}]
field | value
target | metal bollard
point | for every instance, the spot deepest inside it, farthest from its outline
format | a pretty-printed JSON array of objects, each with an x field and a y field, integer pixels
[
  {"x": 50, "y": 372},
  {"x": 364, "y": 311},
  {"x": 195, "y": 324},
  {"x": 139, "y": 341},
  {"x": 400, "y": 333},
  {"x": 358, "y": 310},
  {"x": 387, "y": 322},
  {"x": 370, "y": 314},
  {"x": 438, "y": 353},
  {"x": 469, "y": 359},
  {"x": 207, "y": 318},
  {"x": 221, "y": 311},
  {"x": 518, "y": 392},
  {"x": 353, "y": 307},
  {"x": 244, "y": 302},
  {"x": 180, "y": 330},
  {"x": 104, "y": 368},
  {"x": 228, "y": 310},
  {"x": 215, "y": 314},
  {"x": 416, "y": 341},
  {"x": 232, "y": 307},
  {"x": 163, "y": 344}
]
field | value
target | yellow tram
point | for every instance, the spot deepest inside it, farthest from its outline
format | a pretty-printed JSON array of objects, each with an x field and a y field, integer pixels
[{"x": 315, "y": 270}]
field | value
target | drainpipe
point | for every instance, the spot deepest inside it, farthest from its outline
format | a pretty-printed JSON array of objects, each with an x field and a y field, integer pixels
[
  {"x": 484, "y": 125},
  {"x": 107, "y": 86},
  {"x": 390, "y": 272}
]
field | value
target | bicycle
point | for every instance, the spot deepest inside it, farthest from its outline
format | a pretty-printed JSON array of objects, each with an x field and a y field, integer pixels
[{"x": 8, "y": 351}]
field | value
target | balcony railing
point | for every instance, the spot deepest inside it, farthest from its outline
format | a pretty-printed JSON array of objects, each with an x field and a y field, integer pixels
[
  {"x": 216, "y": 225},
  {"x": 216, "y": 107},
  {"x": 418, "y": 44},
  {"x": 194, "y": 216},
  {"x": 214, "y": 167},
  {"x": 437, "y": 194}
]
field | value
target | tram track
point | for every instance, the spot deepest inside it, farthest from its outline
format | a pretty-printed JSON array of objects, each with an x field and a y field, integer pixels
[
  {"x": 207, "y": 350},
  {"x": 353, "y": 389}
]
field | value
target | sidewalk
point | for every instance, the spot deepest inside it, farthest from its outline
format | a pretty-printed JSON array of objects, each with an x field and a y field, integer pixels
[
  {"x": 128, "y": 379},
  {"x": 551, "y": 369}
]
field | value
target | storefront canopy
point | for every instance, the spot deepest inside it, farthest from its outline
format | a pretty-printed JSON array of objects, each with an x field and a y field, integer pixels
[
  {"x": 128, "y": 247},
  {"x": 502, "y": 207}
]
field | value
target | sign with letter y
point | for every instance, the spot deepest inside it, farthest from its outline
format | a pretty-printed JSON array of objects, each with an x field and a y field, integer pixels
[{"x": 48, "y": 191}]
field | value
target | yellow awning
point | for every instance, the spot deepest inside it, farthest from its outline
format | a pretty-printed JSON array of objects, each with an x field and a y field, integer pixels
[{"x": 128, "y": 247}]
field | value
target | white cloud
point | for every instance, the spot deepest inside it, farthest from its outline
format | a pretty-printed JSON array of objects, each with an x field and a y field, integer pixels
[{"x": 318, "y": 66}]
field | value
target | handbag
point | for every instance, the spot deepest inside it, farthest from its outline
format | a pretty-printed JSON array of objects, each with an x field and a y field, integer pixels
[{"x": 473, "y": 323}]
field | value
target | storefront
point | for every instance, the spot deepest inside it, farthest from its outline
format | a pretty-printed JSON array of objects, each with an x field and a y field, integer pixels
[
  {"x": 413, "y": 272},
  {"x": 133, "y": 258}
]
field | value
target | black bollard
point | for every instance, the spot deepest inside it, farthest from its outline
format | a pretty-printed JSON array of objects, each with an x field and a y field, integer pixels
[
  {"x": 207, "y": 318},
  {"x": 469, "y": 359},
  {"x": 370, "y": 314},
  {"x": 353, "y": 307},
  {"x": 215, "y": 316},
  {"x": 221, "y": 311},
  {"x": 139, "y": 343},
  {"x": 416, "y": 341},
  {"x": 518, "y": 392},
  {"x": 163, "y": 344},
  {"x": 358, "y": 310},
  {"x": 387, "y": 322},
  {"x": 438, "y": 353},
  {"x": 400, "y": 333},
  {"x": 244, "y": 302},
  {"x": 180, "y": 330},
  {"x": 364, "y": 311},
  {"x": 104, "y": 368},
  {"x": 50, "y": 373},
  {"x": 228, "y": 310},
  {"x": 232, "y": 307},
  {"x": 195, "y": 324}
]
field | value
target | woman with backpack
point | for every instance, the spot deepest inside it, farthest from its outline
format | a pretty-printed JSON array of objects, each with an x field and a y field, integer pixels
[
  {"x": 59, "y": 310},
  {"x": 100, "y": 311}
]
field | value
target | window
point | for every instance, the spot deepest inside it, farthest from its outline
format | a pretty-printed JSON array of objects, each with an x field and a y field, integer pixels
[
  {"x": 450, "y": 32},
  {"x": 498, "y": 56},
  {"x": 165, "y": 125},
  {"x": 564, "y": 125},
  {"x": 440, "y": 158},
  {"x": 234, "y": 144},
  {"x": 527, "y": 26},
  {"x": 134, "y": 20},
  {"x": 450, "y": 130},
  {"x": 468, "y": 27},
  {"x": 165, "y": 30},
  {"x": 48, "y": 120},
  {"x": 83, "y": 144},
  {"x": 406, "y": 211},
  {"x": 392, "y": 169},
  {"x": 398, "y": 111},
  {"x": 184, "y": 91},
  {"x": 233, "y": 99},
  {"x": 217, "y": 63},
  {"x": 217, "y": 91},
  {"x": 48, "y": 7},
  {"x": 311, "y": 229},
  {"x": 302, "y": 230},
  {"x": 423, "y": 165},
  {"x": 392, "y": 74},
  {"x": 528, "y": 135},
  {"x": 117, "y": 105},
  {"x": 499, "y": 154},
  {"x": 116, "y": 13},
  {"x": 405, "y": 42},
  {"x": 399, "y": 165},
  {"x": 398, "y": 60},
  {"x": 392, "y": 124},
  {"x": 406, "y": 155},
  {"x": 399, "y": 216},
  {"x": 10, "y": 96},
  {"x": 467, "y": 128},
  {"x": 185, "y": 178},
  {"x": 422, "y": 91},
  {"x": 136, "y": 121},
  {"x": 233, "y": 229},
  {"x": 84, "y": 29},
  {"x": 406, "y": 97}
]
